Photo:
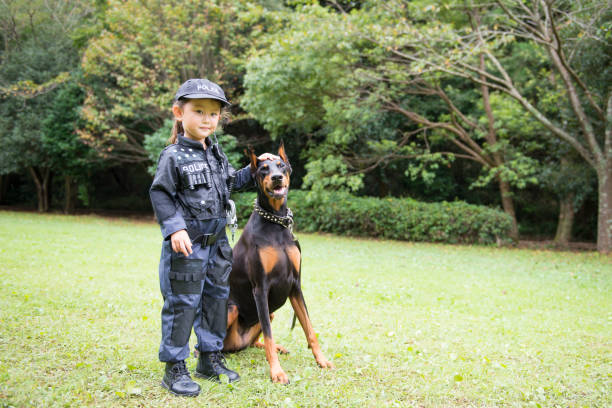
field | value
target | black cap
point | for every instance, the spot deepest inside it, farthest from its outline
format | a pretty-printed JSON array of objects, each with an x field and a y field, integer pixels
[{"x": 201, "y": 89}]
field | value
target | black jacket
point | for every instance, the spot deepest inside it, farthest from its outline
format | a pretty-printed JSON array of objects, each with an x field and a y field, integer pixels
[{"x": 192, "y": 183}]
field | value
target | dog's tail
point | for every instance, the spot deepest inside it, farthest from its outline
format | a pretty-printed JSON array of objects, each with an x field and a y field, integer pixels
[
  {"x": 293, "y": 321},
  {"x": 295, "y": 317},
  {"x": 297, "y": 243}
]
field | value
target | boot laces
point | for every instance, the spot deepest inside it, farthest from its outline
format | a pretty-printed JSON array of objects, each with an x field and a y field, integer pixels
[
  {"x": 180, "y": 369},
  {"x": 217, "y": 360}
]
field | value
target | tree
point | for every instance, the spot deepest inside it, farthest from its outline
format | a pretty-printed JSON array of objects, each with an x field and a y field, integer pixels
[
  {"x": 571, "y": 180},
  {"x": 291, "y": 85},
  {"x": 574, "y": 35},
  {"x": 68, "y": 156},
  {"x": 37, "y": 54},
  {"x": 566, "y": 31},
  {"x": 146, "y": 50},
  {"x": 344, "y": 86}
]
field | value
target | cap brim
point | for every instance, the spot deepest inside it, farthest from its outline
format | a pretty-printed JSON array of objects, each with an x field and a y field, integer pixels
[{"x": 205, "y": 96}]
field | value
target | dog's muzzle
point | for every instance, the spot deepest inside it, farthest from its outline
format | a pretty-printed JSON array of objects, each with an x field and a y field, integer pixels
[{"x": 277, "y": 188}]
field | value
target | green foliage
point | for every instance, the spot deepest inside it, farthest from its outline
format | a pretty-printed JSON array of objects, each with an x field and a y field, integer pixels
[
  {"x": 568, "y": 177},
  {"x": 146, "y": 51},
  {"x": 353, "y": 95},
  {"x": 287, "y": 83},
  {"x": 244, "y": 205},
  {"x": 231, "y": 149},
  {"x": 38, "y": 51},
  {"x": 311, "y": 81},
  {"x": 390, "y": 218},
  {"x": 67, "y": 152},
  {"x": 424, "y": 166},
  {"x": 156, "y": 142},
  {"x": 330, "y": 173}
]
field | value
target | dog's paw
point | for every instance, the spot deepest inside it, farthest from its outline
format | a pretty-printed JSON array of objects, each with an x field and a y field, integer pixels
[
  {"x": 277, "y": 347},
  {"x": 278, "y": 376},
  {"x": 324, "y": 363}
]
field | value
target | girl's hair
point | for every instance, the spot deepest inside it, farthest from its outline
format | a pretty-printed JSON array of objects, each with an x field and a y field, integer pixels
[{"x": 177, "y": 127}]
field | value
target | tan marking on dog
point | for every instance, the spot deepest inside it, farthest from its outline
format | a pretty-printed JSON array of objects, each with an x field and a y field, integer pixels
[
  {"x": 268, "y": 257},
  {"x": 294, "y": 256},
  {"x": 276, "y": 204},
  {"x": 311, "y": 337},
  {"x": 238, "y": 338},
  {"x": 276, "y": 371},
  {"x": 282, "y": 154},
  {"x": 232, "y": 314}
]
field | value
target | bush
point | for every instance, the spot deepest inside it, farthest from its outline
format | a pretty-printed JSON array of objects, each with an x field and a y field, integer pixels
[
  {"x": 392, "y": 218},
  {"x": 244, "y": 206}
]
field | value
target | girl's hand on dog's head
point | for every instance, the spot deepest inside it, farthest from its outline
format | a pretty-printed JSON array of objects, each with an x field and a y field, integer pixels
[
  {"x": 268, "y": 156},
  {"x": 180, "y": 242}
]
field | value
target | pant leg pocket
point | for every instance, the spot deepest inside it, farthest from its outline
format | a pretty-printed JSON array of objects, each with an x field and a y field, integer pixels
[
  {"x": 225, "y": 250},
  {"x": 222, "y": 265},
  {"x": 186, "y": 275}
]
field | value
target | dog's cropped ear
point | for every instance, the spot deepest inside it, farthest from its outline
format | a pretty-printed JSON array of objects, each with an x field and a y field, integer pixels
[
  {"x": 282, "y": 154},
  {"x": 252, "y": 158}
]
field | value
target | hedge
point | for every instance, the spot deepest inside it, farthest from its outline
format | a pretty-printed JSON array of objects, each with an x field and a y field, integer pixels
[{"x": 392, "y": 218}]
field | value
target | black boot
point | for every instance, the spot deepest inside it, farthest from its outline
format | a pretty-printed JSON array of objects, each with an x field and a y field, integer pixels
[
  {"x": 178, "y": 381},
  {"x": 211, "y": 365}
]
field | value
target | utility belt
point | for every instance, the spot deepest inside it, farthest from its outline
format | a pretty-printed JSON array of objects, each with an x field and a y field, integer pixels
[{"x": 205, "y": 239}]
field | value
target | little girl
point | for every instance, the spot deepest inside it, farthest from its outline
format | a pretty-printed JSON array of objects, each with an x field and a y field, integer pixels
[{"x": 190, "y": 196}]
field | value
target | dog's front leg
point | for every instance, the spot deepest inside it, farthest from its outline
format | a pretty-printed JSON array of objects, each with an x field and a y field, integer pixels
[
  {"x": 299, "y": 306},
  {"x": 261, "y": 300}
]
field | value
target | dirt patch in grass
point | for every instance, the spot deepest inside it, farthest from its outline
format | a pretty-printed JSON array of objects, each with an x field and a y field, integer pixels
[{"x": 551, "y": 245}]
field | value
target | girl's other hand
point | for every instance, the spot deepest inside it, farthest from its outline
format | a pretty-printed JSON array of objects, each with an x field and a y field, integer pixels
[
  {"x": 181, "y": 242},
  {"x": 268, "y": 156}
]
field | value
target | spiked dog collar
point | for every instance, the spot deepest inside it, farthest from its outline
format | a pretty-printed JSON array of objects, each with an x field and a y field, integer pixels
[{"x": 286, "y": 221}]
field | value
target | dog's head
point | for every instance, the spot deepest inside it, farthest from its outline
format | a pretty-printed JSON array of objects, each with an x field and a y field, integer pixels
[{"x": 272, "y": 177}]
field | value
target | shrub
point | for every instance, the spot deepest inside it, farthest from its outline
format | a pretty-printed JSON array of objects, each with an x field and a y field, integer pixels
[{"x": 392, "y": 218}]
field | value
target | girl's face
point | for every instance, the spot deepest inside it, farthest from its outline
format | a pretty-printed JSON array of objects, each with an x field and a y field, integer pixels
[{"x": 200, "y": 117}]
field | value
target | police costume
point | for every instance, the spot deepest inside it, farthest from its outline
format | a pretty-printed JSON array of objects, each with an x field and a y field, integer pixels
[{"x": 191, "y": 191}]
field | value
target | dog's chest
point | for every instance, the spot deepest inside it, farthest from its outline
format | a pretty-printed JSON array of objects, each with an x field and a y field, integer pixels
[
  {"x": 281, "y": 267},
  {"x": 279, "y": 261}
]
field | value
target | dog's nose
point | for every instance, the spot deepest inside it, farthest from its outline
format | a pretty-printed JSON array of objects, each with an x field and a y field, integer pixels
[{"x": 277, "y": 177}]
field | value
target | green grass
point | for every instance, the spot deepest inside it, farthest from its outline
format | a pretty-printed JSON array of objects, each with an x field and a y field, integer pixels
[{"x": 405, "y": 324}]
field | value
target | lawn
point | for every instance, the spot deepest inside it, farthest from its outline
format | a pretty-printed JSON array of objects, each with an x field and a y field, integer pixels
[{"x": 405, "y": 324}]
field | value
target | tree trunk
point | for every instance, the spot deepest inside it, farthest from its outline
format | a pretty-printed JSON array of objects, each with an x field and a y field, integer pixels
[
  {"x": 566, "y": 220},
  {"x": 508, "y": 205},
  {"x": 69, "y": 195},
  {"x": 604, "y": 216},
  {"x": 498, "y": 159},
  {"x": 42, "y": 187}
]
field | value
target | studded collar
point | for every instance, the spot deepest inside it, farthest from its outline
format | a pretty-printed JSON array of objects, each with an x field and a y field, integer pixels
[{"x": 286, "y": 221}]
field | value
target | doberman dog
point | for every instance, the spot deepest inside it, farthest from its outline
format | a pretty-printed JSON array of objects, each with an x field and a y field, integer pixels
[{"x": 267, "y": 269}]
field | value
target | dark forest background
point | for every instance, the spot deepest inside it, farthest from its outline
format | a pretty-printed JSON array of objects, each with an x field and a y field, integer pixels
[{"x": 505, "y": 104}]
